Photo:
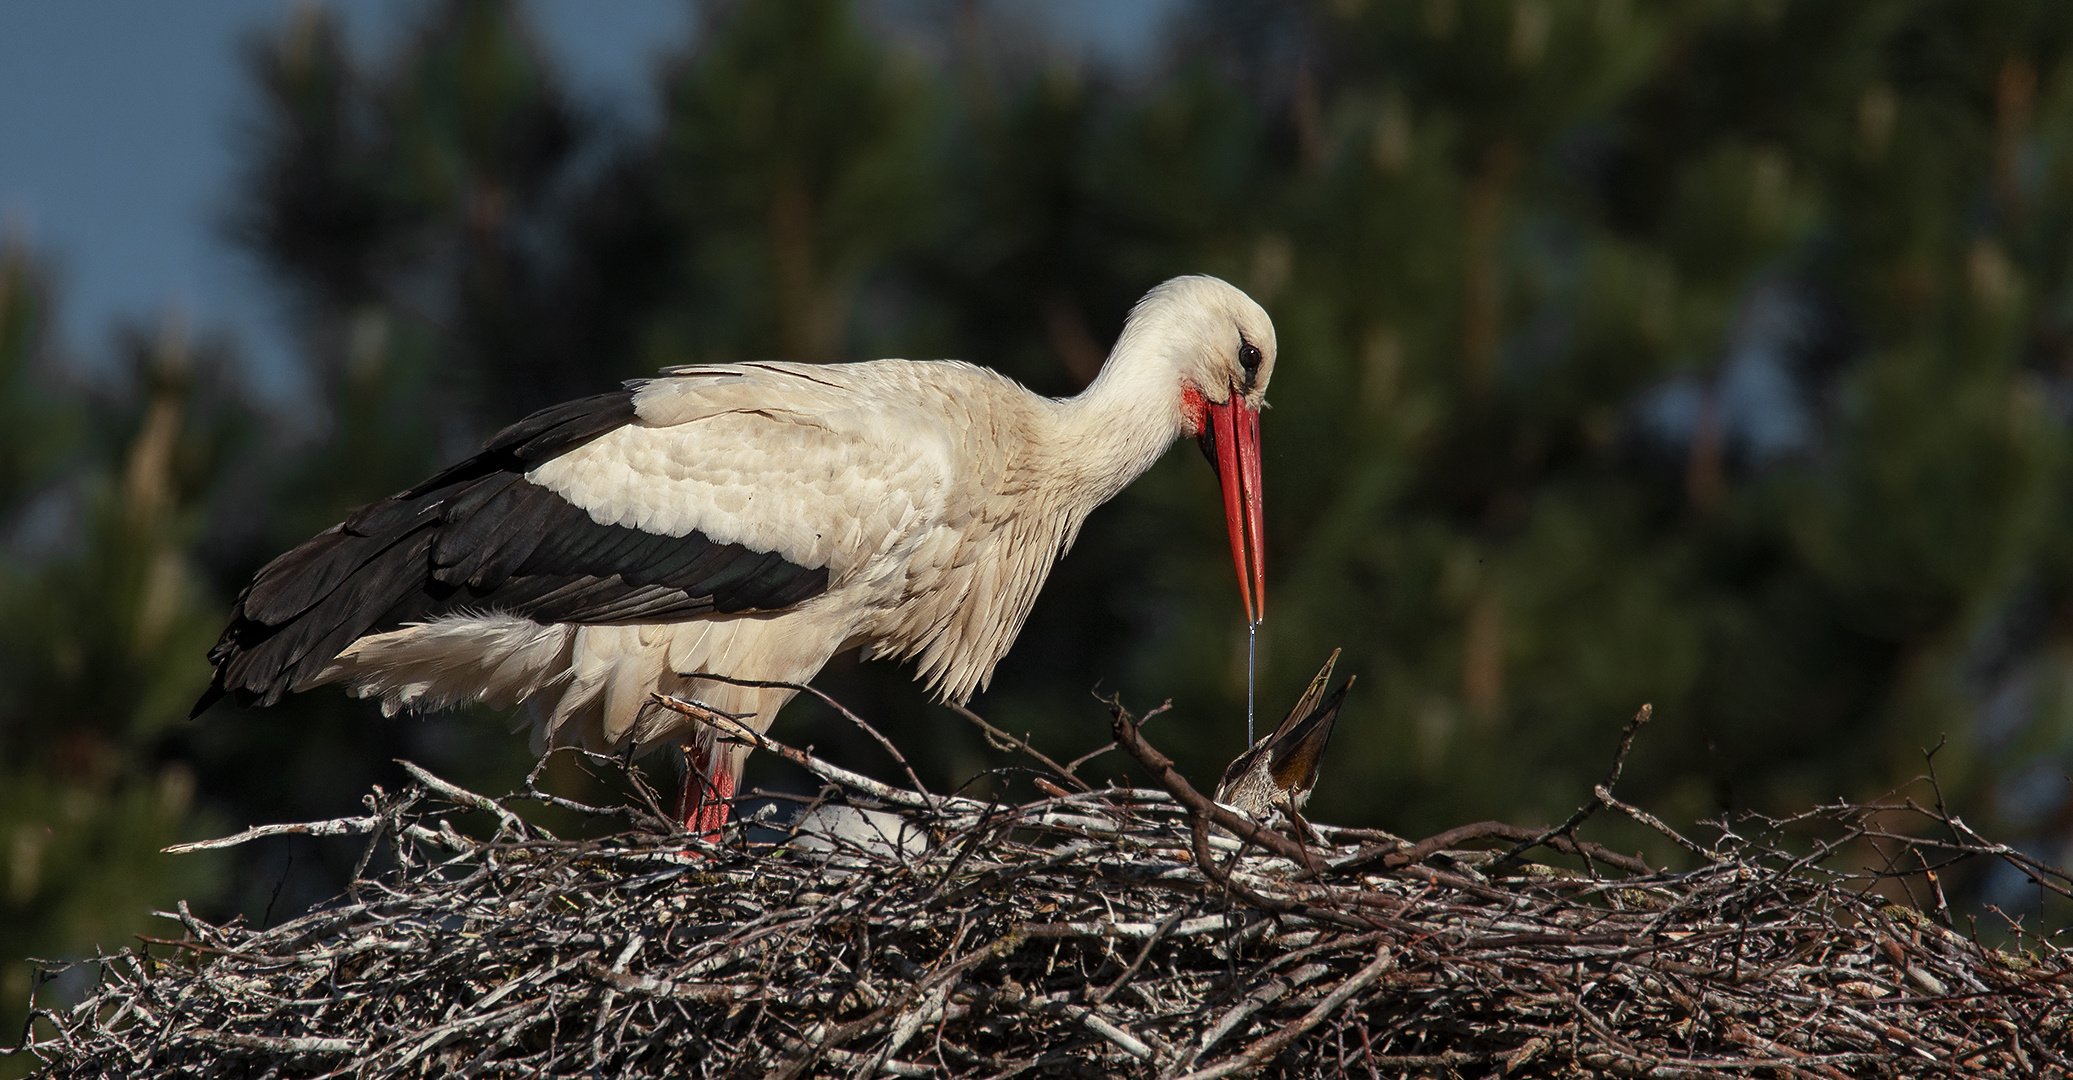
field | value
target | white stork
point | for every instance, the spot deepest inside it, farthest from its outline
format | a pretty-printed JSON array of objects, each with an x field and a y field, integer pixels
[{"x": 749, "y": 521}]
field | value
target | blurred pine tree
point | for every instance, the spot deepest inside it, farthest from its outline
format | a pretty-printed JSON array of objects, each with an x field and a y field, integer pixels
[
  {"x": 101, "y": 614},
  {"x": 795, "y": 161}
]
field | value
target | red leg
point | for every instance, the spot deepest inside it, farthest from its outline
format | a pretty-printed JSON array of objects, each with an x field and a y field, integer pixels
[{"x": 703, "y": 803}]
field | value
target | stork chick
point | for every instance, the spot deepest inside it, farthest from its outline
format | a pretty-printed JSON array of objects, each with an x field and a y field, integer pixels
[
  {"x": 749, "y": 521},
  {"x": 1279, "y": 771}
]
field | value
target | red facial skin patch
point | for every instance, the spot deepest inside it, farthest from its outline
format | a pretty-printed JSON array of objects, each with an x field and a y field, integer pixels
[{"x": 1195, "y": 408}]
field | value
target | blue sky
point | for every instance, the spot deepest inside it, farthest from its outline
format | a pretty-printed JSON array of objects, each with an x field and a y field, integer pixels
[{"x": 120, "y": 122}]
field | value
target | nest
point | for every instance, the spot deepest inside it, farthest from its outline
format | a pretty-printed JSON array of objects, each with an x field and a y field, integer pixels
[{"x": 1098, "y": 932}]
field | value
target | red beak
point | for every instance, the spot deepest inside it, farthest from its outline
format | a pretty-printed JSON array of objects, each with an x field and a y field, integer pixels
[{"x": 1231, "y": 437}]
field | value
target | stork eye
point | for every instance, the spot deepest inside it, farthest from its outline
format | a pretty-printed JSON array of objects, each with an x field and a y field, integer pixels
[{"x": 1248, "y": 356}]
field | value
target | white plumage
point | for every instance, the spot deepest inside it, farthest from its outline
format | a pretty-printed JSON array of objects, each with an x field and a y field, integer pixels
[{"x": 934, "y": 497}]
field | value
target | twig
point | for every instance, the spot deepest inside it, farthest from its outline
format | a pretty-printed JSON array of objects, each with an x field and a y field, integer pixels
[
  {"x": 1583, "y": 813},
  {"x": 832, "y": 773},
  {"x": 1263, "y": 1051},
  {"x": 1011, "y": 742},
  {"x": 1103, "y": 994},
  {"x": 1162, "y": 707},
  {"x": 463, "y": 797},
  {"x": 354, "y": 826},
  {"x": 1653, "y": 822},
  {"x": 839, "y": 707}
]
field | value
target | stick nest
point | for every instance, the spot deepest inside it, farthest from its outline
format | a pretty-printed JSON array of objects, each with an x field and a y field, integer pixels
[{"x": 1113, "y": 932}]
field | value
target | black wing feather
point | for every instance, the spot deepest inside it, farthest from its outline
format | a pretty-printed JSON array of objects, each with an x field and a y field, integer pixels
[
  {"x": 483, "y": 544},
  {"x": 479, "y": 537}
]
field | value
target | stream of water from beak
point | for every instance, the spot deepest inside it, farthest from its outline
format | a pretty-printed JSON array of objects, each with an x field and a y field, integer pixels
[{"x": 1252, "y": 648}]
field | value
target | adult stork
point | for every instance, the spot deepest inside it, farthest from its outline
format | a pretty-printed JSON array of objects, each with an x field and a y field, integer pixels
[{"x": 748, "y": 521}]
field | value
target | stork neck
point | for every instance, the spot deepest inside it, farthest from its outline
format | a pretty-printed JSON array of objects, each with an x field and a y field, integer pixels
[{"x": 1117, "y": 427}]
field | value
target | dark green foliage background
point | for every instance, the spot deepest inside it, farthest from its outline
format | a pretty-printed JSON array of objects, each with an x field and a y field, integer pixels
[{"x": 1710, "y": 353}]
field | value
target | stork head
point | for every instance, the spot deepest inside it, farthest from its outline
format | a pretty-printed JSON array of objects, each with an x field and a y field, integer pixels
[{"x": 1221, "y": 345}]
